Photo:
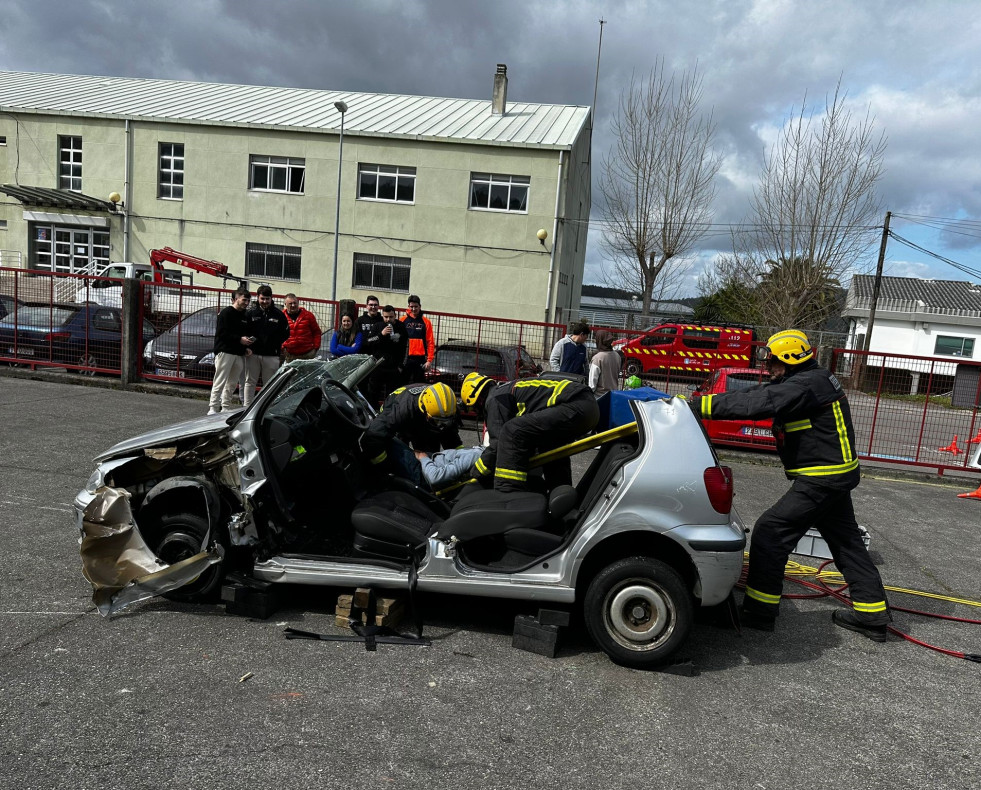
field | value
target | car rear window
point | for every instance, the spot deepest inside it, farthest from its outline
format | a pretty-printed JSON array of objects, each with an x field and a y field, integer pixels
[
  {"x": 40, "y": 315},
  {"x": 700, "y": 338},
  {"x": 741, "y": 381},
  {"x": 483, "y": 361}
]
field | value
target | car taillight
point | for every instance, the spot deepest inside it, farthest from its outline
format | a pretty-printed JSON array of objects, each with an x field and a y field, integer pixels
[
  {"x": 52, "y": 337},
  {"x": 718, "y": 486}
]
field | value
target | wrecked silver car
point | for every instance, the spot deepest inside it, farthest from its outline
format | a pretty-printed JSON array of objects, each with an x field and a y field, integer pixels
[{"x": 279, "y": 492}]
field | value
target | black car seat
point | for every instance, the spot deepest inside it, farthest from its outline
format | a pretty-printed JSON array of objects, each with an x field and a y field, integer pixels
[{"x": 392, "y": 525}]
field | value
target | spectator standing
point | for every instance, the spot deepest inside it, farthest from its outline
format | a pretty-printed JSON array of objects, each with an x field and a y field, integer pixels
[
  {"x": 269, "y": 328},
  {"x": 304, "y": 339},
  {"x": 389, "y": 344},
  {"x": 232, "y": 341},
  {"x": 370, "y": 321},
  {"x": 422, "y": 344},
  {"x": 569, "y": 354},
  {"x": 346, "y": 339},
  {"x": 604, "y": 367}
]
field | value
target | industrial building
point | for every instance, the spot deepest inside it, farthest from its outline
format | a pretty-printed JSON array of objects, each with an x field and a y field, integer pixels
[{"x": 445, "y": 198}]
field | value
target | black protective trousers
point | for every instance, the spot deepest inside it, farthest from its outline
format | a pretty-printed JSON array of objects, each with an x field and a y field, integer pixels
[
  {"x": 808, "y": 504},
  {"x": 522, "y": 437}
]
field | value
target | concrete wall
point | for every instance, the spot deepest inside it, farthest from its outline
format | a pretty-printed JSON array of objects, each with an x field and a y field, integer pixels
[{"x": 462, "y": 260}]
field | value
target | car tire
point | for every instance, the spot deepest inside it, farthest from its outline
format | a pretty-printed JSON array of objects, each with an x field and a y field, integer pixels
[
  {"x": 177, "y": 536},
  {"x": 638, "y": 611},
  {"x": 88, "y": 361},
  {"x": 634, "y": 368}
]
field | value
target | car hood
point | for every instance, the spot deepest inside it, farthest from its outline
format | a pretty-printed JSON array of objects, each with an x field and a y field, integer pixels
[{"x": 200, "y": 426}]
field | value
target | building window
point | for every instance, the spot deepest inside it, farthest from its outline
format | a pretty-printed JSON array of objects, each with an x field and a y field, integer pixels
[
  {"x": 3, "y": 139},
  {"x": 70, "y": 162},
  {"x": 954, "y": 346},
  {"x": 387, "y": 182},
  {"x": 272, "y": 261},
  {"x": 381, "y": 272},
  {"x": 170, "y": 184},
  {"x": 499, "y": 193},
  {"x": 3, "y": 224},
  {"x": 277, "y": 174},
  {"x": 58, "y": 248}
]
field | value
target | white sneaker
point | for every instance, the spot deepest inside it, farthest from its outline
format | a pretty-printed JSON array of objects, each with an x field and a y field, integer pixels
[{"x": 211, "y": 411}]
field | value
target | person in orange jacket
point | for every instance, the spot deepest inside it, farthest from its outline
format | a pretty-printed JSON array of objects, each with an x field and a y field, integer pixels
[
  {"x": 422, "y": 343},
  {"x": 304, "y": 339}
]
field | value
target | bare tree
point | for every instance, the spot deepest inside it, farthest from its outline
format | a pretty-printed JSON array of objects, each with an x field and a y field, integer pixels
[
  {"x": 657, "y": 180},
  {"x": 814, "y": 214}
]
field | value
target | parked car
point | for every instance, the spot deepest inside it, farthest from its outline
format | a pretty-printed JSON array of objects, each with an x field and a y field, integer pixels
[
  {"x": 186, "y": 350},
  {"x": 8, "y": 305},
  {"x": 738, "y": 433},
  {"x": 456, "y": 358},
  {"x": 86, "y": 337},
  {"x": 279, "y": 492}
]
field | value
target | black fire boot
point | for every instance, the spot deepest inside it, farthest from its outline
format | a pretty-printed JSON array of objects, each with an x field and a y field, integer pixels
[
  {"x": 847, "y": 619},
  {"x": 759, "y": 622}
]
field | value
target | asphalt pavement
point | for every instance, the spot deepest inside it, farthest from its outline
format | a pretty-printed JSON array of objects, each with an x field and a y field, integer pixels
[{"x": 153, "y": 698}]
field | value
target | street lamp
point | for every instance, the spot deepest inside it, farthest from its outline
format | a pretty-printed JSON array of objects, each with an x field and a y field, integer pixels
[{"x": 341, "y": 108}]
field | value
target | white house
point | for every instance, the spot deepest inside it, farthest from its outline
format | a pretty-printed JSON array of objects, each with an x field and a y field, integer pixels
[{"x": 940, "y": 319}]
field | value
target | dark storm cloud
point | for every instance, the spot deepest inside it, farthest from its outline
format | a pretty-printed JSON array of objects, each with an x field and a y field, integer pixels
[{"x": 915, "y": 65}]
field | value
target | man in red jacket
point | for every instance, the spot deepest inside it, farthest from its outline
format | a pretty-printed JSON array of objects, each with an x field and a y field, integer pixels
[
  {"x": 422, "y": 344},
  {"x": 304, "y": 339}
]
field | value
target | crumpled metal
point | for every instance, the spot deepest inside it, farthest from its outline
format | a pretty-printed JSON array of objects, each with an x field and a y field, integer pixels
[{"x": 117, "y": 561}]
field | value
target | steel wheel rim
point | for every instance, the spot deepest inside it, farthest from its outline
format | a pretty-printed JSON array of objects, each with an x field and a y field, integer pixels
[{"x": 639, "y": 615}]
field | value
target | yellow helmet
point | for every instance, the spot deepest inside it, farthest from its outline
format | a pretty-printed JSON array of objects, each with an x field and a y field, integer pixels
[
  {"x": 438, "y": 402},
  {"x": 473, "y": 385},
  {"x": 789, "y": 346}
]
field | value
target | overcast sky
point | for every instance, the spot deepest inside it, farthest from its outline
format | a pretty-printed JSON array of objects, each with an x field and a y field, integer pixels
[{"x": 917, "y": 65}]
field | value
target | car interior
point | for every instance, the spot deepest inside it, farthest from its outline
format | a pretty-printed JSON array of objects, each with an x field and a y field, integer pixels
[{"x": 325, "y": 502}]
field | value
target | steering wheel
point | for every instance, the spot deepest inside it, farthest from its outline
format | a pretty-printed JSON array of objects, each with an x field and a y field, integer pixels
[{"x": 344, "y": 405}]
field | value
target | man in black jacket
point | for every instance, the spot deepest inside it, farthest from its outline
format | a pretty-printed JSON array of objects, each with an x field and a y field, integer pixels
[
  {"x": 370, "y": 320},
  {"x": 269, "y": 327},
  {"x": 524, "y": 417},
  {"x": 816, "y": 442},
  {"x": 388, "y": 342},
  {"x": 232, "y": 342}
]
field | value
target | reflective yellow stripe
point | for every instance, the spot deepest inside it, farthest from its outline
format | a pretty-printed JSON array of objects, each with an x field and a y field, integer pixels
[
  {"x": 558, "y": 391},
  {"x": 380, "y": 457},
  {"x": 818, "y": 471},
  {"x": 762, "y": 597},
  {"x": 869, "y": 608},
  {"x": 707, "y": 406},
  {"x": 797, "y": 425},
  {"x": 481, "y": 467},
  {"x": 846, "y": 449},
  {"x": 511, "y": 474},
  {"x": 521, "y": 409}
]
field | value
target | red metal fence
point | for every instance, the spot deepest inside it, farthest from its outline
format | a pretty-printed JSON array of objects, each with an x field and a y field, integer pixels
[{"x": 910, "y": 410}]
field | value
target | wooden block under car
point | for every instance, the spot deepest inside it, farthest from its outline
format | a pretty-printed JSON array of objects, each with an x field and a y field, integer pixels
[{"x": 249, "y": 597}]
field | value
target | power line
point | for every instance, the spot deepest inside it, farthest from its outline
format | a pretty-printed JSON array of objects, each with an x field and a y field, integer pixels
[{"x": 959, "y": 266}]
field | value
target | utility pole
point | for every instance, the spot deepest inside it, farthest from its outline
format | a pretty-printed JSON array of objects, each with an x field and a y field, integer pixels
[{"x": 878, "y": 282}]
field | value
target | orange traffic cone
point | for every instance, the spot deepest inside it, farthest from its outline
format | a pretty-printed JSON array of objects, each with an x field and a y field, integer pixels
[
  {"x": 976, "y": 439},
  {"x": 951, "y": 448},
  {"x": 971, "y": 494}
]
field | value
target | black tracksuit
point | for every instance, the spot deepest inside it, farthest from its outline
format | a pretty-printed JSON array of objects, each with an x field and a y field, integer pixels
[
  {"x": 528, "y": 416},
  {"x": 816, "y": 442},
  {"x": 401, "y": 417},
  {"x": 269, "y": 327},
  {"x": 390, "y": 348}
]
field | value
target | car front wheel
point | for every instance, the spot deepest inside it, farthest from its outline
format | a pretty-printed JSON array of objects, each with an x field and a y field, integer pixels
[
  {"x": 638, "y": 611},
  {"x": 177, "y": 536},
  {"x": 634, "y": 368}
]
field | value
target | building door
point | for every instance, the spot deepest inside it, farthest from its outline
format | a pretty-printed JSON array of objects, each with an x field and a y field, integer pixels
[{"x": 68, "y": 249}]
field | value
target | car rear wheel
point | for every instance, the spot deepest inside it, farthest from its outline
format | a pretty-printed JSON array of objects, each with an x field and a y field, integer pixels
[
  {"x": 638, "y": 611},
  {"x": 634, "y": 368},
  {"x": 87, "y": 364},
  {"x": 177, "y": 536}
]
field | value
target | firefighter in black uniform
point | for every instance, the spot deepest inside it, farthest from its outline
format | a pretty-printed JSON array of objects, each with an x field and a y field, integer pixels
[
  {"x": 816, "y": 441},
  {"x": 526, "y": 416},
  {"x": 424, "y": 417}
]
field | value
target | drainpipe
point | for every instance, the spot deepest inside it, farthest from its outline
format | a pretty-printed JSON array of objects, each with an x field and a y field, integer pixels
[
  {"x": 555, "y": 239},
  {"x": 127, "y": 192}
]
